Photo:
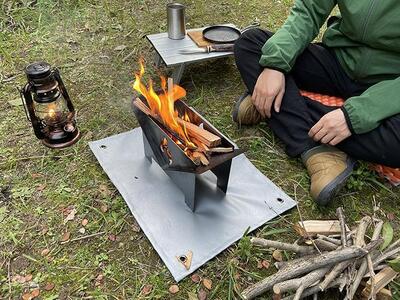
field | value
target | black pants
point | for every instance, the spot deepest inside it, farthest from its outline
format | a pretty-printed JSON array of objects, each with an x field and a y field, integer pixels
[{"x": 316, "y": 70}]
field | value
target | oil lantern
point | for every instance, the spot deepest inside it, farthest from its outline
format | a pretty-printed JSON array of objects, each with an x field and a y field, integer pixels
[{"x": 48, "y": 106}]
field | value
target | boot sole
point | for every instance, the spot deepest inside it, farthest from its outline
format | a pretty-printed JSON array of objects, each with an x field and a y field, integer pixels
[
  {"x": 330, "y": 191},
  {"x": 235, "y": 111}
]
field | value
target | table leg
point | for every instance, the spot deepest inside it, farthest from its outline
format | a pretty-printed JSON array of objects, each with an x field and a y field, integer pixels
[
  {"x": 158, "y": 60},
  {"x": 178, "y": 72}
]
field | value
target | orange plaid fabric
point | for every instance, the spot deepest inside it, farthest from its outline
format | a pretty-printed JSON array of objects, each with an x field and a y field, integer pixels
[{"x": 391, "y": 174}]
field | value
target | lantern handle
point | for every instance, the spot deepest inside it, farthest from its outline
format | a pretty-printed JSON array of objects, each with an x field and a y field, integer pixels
[
  {"x": 64, "y": 90},
  {"x": 27, "y": 101}
]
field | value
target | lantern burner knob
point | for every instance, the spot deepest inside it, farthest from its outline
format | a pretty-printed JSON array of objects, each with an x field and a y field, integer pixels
[{"x": 37, "y": 71}]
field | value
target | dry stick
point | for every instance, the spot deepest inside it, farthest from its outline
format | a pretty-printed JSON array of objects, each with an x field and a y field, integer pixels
[
  {"x": 300, "y": 284},
  {"x": 315, "y": 289},
  {"x": 392, "y": 246},
  {"x": 363, "y": 268},
  {"x": 329, "y": 239},
  {"x": 320, "y": 261},
  {"x": 371, "y": 271},
  {"x": 84, "y": 237},
  {"x": 282, "y": 246},
  {"x": 306, "y": 233},
  {"x": 325, "y": 245},
  {"x": 385, "y": 256},
  {"x": 339, "y": 268}
]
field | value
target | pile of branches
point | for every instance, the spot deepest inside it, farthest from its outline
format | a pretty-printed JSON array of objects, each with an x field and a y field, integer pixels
[{"x": 324, "y": 261}]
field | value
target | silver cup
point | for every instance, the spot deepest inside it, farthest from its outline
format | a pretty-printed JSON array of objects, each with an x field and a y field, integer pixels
[{"x": 176, "y": 21}]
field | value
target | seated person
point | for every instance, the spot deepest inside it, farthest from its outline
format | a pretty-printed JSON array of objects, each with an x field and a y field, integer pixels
[{"x": 358, "y": 60}]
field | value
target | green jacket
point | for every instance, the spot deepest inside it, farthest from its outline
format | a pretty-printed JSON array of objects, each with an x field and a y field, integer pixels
[{"x": 366, "y": 40}]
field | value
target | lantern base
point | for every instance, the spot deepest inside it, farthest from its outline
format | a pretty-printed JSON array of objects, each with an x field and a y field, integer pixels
[{"x": 59, "y": 144}]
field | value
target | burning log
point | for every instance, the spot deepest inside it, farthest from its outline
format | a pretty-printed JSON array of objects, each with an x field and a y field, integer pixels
[
  {"x": 342, "y": 264},
  {"x": 204, "y": 136}
]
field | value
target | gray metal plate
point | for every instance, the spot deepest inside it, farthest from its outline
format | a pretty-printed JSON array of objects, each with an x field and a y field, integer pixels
[{"x": 159, "y": 207}]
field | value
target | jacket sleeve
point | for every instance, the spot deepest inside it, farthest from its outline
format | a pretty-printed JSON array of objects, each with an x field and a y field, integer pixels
[
  {"x": 367, "y": 111},
  {"x": 300, "y": 29}
]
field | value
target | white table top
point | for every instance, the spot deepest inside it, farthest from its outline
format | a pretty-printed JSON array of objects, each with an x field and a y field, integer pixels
[{"x": 168, "y": 49}]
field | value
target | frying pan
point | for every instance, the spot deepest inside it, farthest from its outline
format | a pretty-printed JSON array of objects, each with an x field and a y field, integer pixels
[{"x": 219, "y": 34}]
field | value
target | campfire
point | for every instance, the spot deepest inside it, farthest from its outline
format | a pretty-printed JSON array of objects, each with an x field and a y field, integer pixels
[
  {"x": 198, "y": 143},
  {"x": 178, "y": 138}
]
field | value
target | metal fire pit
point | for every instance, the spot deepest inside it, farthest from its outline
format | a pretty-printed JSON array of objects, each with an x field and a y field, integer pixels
[{"x": 172, "y": 159}]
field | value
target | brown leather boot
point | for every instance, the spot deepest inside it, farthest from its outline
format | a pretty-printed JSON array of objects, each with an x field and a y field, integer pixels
[
  {"x": 244, "y": 112},
  {"x": 329, "y": 169}
]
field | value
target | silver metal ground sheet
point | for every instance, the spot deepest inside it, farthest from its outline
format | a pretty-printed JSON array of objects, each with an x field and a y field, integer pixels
[{"x": 159, "y": 207}]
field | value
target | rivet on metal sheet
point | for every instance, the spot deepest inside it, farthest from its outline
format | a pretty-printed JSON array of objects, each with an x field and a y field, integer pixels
[{"x": 186, "y": 259}]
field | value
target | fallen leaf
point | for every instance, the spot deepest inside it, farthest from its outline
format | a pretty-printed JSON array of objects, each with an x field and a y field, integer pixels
[
  {"x": 173, "y": 289},
  {"x": 259, "y": 265},
  {"x": 118, "y": 48},
  {"x": 82, "y": 230},
  {"x": 195, "y": 278},
  {"x": 70, "y": 216},
  {"x": 265, "y": 264},
  {"x": 27, "y": 296},
  {"x": 85, "y": 222},
  {"x": 146, "y": 290},
  {"x": 36, "y": 175},
  {"x": 112, "y": 237},
  {"x": 35, "y": 293},
  {"x": 49, "y": 286},
  {"x": 41, "y": 187},
  {"x": 237, "y": 276},
  {"x": 391, "y": 216},
  {"x": 202, "y": 295},
  {"x": 28, "y": 277},
  {"x": 100, "y": 277},
  {"x": 45, "y": 252},
  {"x": 104, "y": 190},
  {"x": 387, "y": 234},
  {"x": 207, "y": 283},
  {"x": 277, "y": 255},
  {"x": 65, "y": 237},
  {"x": 104, "y": 208},
  {"x": 18, "y": 278}
]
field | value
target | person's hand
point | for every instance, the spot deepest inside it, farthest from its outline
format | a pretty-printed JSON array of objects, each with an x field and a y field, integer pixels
[
  {"x": 270, "y": 86},
  {"x": 331, "y": 129}
]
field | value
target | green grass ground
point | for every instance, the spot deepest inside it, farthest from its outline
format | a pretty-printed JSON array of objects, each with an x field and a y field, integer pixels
[{"x": 39, "y": 187}]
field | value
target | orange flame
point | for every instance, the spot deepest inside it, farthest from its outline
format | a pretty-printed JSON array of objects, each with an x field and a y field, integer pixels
[{"x": 163, "y": 104}]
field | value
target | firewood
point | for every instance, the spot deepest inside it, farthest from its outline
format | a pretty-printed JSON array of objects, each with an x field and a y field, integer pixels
[
  {"x": 340, "y": 267},
  {"x": 329, "y": 239},
  {"x": 382, "y": 279},
  {"x": 383, "y": 294},
  {"x": 343, "y": 233},
  {"x": 301, "y": 283},
  {"x": 325, "y": 245},
  {"x": 221, "y": 149},
  {"x": 315, "y": 289},
  {"x": 363, "y": 267},
  {"x": 282, "y": 246},
  {"x": 314, "y": 227},
  {"x": 204, "y": 136},
  {"x": 201, "y": 147},
  {"x": 320, "y": 261},
  {"x": 202, "y": 157}
]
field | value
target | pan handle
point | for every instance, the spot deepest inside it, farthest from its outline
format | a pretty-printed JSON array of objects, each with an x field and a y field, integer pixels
[{"x": 253, "y": 25}]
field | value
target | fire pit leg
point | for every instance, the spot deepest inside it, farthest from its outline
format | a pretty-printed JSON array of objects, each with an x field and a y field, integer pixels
[
  {"x": 186, "y": 182},
  {"x": 222, "y": 172},
  {"x": 148, "y": 152}
]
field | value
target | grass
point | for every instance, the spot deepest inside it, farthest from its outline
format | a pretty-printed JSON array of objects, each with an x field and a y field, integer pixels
[{"x": 39, "y": 187}]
